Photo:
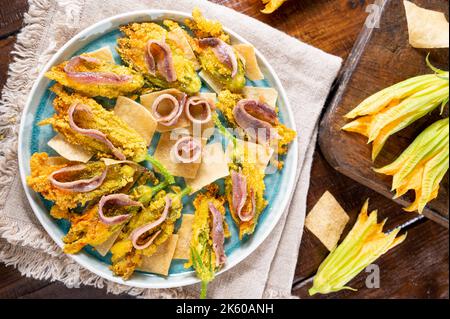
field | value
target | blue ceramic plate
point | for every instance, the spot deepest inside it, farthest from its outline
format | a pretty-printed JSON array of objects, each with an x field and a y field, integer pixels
[{"x": 33, "y": 138}]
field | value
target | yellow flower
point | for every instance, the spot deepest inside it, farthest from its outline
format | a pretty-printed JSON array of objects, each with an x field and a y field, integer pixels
[
  {"x": 362, "y": 246},
  {"x": 394, "y": 108},
  {"x": 422, "y": 166},
  {"x": 271, "y": 5}
]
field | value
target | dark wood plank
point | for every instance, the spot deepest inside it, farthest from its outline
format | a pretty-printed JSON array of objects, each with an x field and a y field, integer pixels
[
  {"x": 58, "y": 291},
  {"x": 385, "y": 57},
  {"x": 11, "y": 16},
  {"x": 327, "y": 24},
  {"x": 418, "y": 268},
  {"x": 13, "y": 285}
]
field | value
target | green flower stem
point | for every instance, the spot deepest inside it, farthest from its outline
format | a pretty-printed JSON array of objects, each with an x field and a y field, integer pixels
[
  {"x": 185, "y": 192},
  {"x": 204, "y": 290},
  {"x": 225, "y": 133},
  {"x": 161, "y": 168},
  {"x": 149, "y": 191}
]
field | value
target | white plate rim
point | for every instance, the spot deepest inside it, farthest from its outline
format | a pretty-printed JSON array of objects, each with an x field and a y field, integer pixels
[{"x": 181, "y": 279}]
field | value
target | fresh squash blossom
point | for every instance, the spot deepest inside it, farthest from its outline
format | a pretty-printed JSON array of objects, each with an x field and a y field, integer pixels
[
  {"x": 396, "y": 107},
  {"x": 422, "y": 166},
  {"x": 362, "y": 246}
]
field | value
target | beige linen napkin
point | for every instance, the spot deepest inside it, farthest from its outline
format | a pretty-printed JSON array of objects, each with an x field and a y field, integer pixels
[{"x": 306, "y": 73}]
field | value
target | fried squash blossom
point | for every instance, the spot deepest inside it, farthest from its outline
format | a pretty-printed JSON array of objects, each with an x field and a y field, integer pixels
[
  {"x": 96, "y": 77},
  {"x": 134, "y": 47},
  {"x": 124, "y": 138},
  {"x": 217, "y": 57},
  {"x": 117, "y": 177},
  {"x": 125, "y": 256}
]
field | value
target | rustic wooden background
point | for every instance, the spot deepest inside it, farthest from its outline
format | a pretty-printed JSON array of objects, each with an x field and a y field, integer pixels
[
  {"x": 419, "y": 268},
  {"x": 384, "y": 57}
]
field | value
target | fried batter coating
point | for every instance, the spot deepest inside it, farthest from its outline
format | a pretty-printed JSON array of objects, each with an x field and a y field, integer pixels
[
  {"x": 203, "y": 257},
  {"x": 173, "y": 25},
  {"x": 110, "y": 90},
  {"x": 286, "y": 136},
  {"x": 205, "y": 28},
  {"x": 226, "y": 103},
  {"x": 123, "y": 137},
  {"x": 87, "y": 229},
  {"x": 125, "y": 258},
  {"x": 255, "y": 183},
  {"x": 132, "y": 51},
  {"x": 118, "y": 176}
]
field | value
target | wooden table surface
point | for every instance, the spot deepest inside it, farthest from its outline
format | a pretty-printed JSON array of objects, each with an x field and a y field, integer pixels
[{"x": 419, "y": 268}]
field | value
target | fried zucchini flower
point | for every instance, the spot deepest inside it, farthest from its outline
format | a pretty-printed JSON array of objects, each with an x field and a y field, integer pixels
[
  {"x": 96, "y": 77},
  {"x": 254, "y": 119},
  {"x": 84, "y": 122},
  {"x": 100, "y": 222},
  {"x": 394, "y": 108},
  {"x": 244, "y": 189},
  {"x": 146, "y": 230},
  {"x": 89, "y": 229},
  {"x": 209, "y": 231},
  {"x": 70, "y": 185},
  {"x": 205, "y": 28},
  {"x": 422, "y": 166},
  {"x": 217, "y": 57},
  {"x": 147, "y": 49},
  {"x": 179, "y": 36},
  {"x": 362, "y": 246}
]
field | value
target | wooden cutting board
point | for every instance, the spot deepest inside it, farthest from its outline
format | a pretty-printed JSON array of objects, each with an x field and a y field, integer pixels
[{"x": 381, "y": 57}]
